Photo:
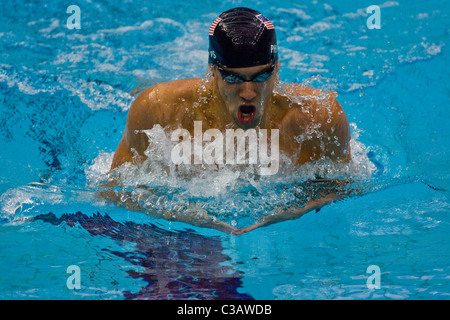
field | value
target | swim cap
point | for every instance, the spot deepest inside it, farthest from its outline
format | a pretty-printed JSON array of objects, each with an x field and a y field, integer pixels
[{"x": 242, "y": 37}]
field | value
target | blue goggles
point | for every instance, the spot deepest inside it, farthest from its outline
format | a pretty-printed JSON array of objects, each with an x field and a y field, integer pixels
[{"x": 231, "y": 77}]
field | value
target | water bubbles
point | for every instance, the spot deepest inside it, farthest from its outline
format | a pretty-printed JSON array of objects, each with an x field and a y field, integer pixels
[
  {"x": 208, "y": 78},
  {"x": 236, "y": 195}
]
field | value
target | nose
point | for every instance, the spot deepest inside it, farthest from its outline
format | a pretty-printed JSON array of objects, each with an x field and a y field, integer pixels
[{"x": 248, "y": 91}]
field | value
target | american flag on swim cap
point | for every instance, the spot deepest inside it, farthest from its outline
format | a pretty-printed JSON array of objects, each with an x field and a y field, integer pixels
[
  {"x": 213, "y": 26},
  {"x": 266, "y": 21}
]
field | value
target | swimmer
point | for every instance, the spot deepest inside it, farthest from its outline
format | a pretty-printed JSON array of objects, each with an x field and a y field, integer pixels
[{"x": 243, "y": 61}]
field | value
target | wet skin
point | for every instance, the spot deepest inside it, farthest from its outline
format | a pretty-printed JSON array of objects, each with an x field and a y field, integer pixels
[
  {"x": 312, "y": 125},
  {"x": 221, "y": 105}
]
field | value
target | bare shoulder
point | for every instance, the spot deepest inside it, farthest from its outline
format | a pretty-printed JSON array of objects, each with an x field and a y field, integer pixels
[
  {"x": 318, "y": 111},
  {"x": 314, "y": 105},
  {"x": 173, "y": 91},
  {"x": 161, "y": 103}
]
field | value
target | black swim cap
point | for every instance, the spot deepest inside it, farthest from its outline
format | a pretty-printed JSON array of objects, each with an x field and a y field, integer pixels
[{"x": 242, "y": 37}]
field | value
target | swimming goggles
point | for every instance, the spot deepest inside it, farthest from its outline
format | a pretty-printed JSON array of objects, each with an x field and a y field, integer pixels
[{"x": 231, "y": 77}]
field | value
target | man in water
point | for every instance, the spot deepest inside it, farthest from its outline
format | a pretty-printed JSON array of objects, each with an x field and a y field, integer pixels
[{"x": 243, "y": 59}]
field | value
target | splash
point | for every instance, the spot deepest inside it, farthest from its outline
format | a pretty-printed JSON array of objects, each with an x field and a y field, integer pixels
[{"x": 237, "y": 195}]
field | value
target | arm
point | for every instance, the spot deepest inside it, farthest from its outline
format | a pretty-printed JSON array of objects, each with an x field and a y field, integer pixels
[
  {"x": 326, "y": 191},
  {"x": 135, "y": 200},
  {"x": 336, "y": 132},
  {"x": 133, "y": 143}
]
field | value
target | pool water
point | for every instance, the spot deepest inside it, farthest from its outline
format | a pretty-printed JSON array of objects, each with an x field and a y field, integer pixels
[{"x": 64, "y": 97}]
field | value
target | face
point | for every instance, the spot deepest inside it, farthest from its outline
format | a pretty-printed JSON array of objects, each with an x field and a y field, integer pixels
[{"x": 246, "y": 100}]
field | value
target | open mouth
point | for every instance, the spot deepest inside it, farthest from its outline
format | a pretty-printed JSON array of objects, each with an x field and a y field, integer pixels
[{"x": 246, "y": 113}]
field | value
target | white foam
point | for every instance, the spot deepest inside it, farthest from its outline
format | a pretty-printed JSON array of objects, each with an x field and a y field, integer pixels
[
  {"x": 97, "y": 172},
  {"x": 297, "y": 12},
  {"x": 226, "y": 192},
  {"x": 123, "y": 29},
  {"x": 9, "y": 76},
  {"x": 53, "y": 26},
  {"x": 25, "y": 198},
  {"x": 95, "y": 95}
]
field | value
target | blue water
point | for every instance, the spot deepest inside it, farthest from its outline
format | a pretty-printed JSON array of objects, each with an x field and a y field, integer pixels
[{"x": 64, "y": 97}]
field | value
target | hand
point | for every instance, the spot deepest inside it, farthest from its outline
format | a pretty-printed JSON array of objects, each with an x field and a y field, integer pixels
[
  {"x": 274, "y": 218},
  {"x": 200, "y": 219},
  {"x": 290, "y": 214}
]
